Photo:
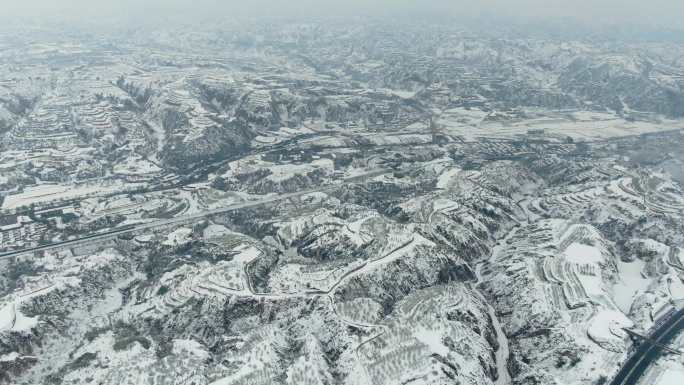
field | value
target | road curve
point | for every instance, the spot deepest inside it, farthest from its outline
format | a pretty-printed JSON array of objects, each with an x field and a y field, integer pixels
[{"x": 646, "y": 354}]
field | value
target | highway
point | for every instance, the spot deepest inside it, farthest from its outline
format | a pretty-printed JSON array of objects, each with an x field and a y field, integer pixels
[
  {"x": 92, "y": 238},
  {"x": 646, "y": 354}
]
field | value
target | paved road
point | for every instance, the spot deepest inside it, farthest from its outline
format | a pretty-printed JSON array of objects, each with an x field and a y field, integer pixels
[
  {"x": 646, "y": 354},
  {"x": 189, "y": 218}
]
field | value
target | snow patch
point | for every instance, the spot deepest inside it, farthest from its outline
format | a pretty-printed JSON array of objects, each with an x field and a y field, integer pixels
[
  {"x": 607, "y": 322},
  {"x": 12, "y": 319},
  {"x": 216, "y": 231},
  {"x": 191, "y": 347},
  {"x": 631, "y": 283},
  {"x": 178, "y": 237},
  {"x": 579, "y": 253},
  {"x": 247, "y": 254},
  {"x": 9, "y": 357},
  {"x": 433, "y": 340},
  {"x": 672, "y": 377}
]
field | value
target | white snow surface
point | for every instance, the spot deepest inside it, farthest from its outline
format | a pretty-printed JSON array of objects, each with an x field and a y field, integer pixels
[
  {"x": 579, "y": 253},
  {"x": 433, "y": 340},
  {"x": 12, "y": 319},
  {"x": 587, "y": 255},
  {"x": 606, "y": 320},
  {"x": 672, "y": 377},
  {"x": 216, "y": 231},
  {"x": 247, "y": 254},
  {"x": 9, "y": 357},
  {"x": 54, "y": 192},
  {"x": 190, "y": 346},
  {"x": 631, "y": 283},
  {"x": 445, "y": 178},
  {"x": 178, "y": 237}
]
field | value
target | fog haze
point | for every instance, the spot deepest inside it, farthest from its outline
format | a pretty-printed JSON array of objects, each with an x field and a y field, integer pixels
[{"x": 597, "y": 12}]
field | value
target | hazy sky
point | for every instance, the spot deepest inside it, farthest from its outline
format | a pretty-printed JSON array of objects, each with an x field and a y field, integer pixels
[{"x": 660, "y": 12}]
